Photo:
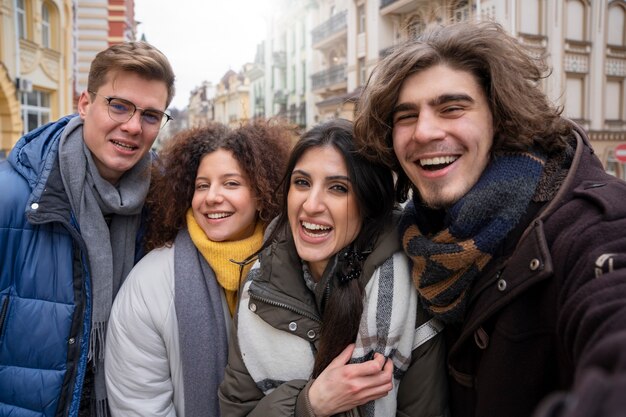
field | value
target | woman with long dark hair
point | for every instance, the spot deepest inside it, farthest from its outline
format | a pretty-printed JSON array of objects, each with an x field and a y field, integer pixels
[{"x": 328, "y": 320}]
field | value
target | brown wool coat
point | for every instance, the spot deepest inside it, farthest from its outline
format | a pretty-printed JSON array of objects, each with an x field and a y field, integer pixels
[{"x": 551, "y": 318}]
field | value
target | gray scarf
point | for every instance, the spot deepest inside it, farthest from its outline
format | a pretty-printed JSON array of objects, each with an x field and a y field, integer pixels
[
  {"x": 201, "y": 327},
  {"x": 110, "y": 248}
]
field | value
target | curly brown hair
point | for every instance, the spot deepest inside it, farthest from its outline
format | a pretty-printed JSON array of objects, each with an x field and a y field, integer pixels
[
  {"x": 261, "y": 149},
  {"x": 510, "y": 76}
]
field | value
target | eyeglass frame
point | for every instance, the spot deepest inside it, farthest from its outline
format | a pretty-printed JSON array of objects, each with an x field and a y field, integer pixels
[{"x": 143, "y": 110}]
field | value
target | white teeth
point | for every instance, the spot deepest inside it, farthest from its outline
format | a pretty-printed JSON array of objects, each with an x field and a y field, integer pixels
[
  {"x": 123, "y": 145},
  {"x": 313, "y": 226},
  {"x": 217, "y": 215},
  {"x": 438, "y": 160}
]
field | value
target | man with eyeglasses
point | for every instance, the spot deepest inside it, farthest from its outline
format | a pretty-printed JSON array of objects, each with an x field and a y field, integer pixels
[{"x": 71, "y": 198}]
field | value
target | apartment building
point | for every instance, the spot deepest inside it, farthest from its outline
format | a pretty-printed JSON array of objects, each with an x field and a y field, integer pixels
[
  {"x": 35, "y": 65},
  {"x": 287, "y": 57},
  {"x": 99, "y": 24},
  {"x": 200, "y": 110},
  {"x": 231, "y": 103}
]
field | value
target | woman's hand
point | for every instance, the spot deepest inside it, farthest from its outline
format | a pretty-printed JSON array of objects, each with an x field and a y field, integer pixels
[{"x": 343, "y": 386}]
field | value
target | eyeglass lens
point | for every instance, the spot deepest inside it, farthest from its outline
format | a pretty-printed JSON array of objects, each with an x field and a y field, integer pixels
[{"x": 122, "y": 110}]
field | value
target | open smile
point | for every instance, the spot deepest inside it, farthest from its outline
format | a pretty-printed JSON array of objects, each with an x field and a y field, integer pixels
[
  {"x": 124, "y": 146},
  {"x": 217, "y": 216},
  {"x": 437, "y": 163},
  {"x": 315, "y": 230}
]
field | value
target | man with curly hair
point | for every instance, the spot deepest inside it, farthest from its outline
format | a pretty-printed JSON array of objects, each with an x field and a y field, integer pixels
[
  {"x": 71, "y": 197},
  {"x": 514, "y": 229}
]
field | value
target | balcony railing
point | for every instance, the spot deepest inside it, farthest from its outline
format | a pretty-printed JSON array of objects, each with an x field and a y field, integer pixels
[
  {"x": 331, "y": 76},
  {"x": 333, "y": 25},
  {"x": 280, "y": 97},
  {"x": 279, "y": 59}
]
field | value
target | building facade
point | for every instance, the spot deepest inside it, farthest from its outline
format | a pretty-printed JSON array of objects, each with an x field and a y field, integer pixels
[
  {"x": 200, "y": 110},
  {"x": 36, "y": 63},
  {"x": 231, "y": 104},
  {"x": 99, "y": 24}
]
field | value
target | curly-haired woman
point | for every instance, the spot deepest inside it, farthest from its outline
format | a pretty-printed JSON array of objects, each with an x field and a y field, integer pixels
[{"x": 212, "y": 195}]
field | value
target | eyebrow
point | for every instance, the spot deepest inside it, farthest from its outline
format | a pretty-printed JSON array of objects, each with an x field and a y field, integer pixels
[
  {"x": 131, "y": 102},
  {"x": 329, "y": 178},
  {"x": 228, "y": 175},
  {"x": 437, "y": 101}
]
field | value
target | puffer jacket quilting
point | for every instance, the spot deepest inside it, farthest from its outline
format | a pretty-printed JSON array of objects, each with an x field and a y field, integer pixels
[{"x": 44, "y": 292}]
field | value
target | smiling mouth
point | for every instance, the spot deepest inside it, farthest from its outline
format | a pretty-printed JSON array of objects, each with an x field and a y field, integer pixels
[
  {"x": 124, "y": 146},
  {"x": 315, "y": 230},
  {"x": 216, "y": 216},
  {"x": 436, "y": 163}
]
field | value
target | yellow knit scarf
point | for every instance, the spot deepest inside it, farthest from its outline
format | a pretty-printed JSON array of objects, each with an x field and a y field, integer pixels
[{"x": 219, "y": 255}]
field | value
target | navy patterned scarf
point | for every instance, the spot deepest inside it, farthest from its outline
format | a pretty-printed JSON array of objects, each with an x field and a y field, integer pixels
[{"x": 448, "y": 249}]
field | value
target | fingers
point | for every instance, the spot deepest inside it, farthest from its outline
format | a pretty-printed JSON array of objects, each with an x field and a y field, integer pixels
[
  {"x": 343, "y": 357},
  {"x": 343, "y": 386},
  {"x": 374, "y": 366}
]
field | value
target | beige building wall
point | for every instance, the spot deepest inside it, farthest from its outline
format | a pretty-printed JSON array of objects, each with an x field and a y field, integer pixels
[
  {"x": 36, "y": 65},
  {"x": 231, "y": 102}
]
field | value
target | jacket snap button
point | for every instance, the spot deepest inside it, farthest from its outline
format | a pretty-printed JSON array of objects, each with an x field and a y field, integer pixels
[
  {"x": 481, "y": 338},
  {"x": 310, "y": 334},
  {"x": 534, "y": 264},
  {"x": 501, "y": 285},
  {"x": 34, "y": 206},
  {"x": 293, "y": 326},
  {"x": 71, "y": 341},
  {"x": 252, "y": 307}
]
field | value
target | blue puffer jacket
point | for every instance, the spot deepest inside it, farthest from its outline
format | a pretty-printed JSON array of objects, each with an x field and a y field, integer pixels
[{"x": 44, "y": 283}]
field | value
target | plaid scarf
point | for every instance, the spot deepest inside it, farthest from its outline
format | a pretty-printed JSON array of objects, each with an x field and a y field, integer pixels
[
  {"x": 273, "y": 356},
  {"x": 446, "y": 261}
]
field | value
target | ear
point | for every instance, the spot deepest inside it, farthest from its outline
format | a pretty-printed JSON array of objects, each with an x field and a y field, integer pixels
[{"x": 84, "y": 102}]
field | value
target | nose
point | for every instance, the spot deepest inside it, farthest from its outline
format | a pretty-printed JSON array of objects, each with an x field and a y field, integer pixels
[
  {"x": 214, "y": 195},
  {"x": 428, "y": 128},
  {"x": 314, "y": 202},
  {"x": 133, "y": 125}
]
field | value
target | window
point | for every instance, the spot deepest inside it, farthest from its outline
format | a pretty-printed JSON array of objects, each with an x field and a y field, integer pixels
[
  {"x": 616, "y": 26},
  {"x": 530, "y": 17},
  {"x": 461, "y": 11},
  {"x": 362, "y": 72},
  {"x": 45, "y": 26},
  {"x": 613, "y": 100},
  {"x": 574, "y": 100},
  {"x": 576, "y": 20},
  {"x": 35, "y": 109},
  {"x": 361, "y": 19},
  {"x": 20, "y": 13}
]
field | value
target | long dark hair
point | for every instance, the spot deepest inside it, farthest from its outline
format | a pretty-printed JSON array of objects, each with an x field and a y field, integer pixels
[{"x": 373, "y": 187}]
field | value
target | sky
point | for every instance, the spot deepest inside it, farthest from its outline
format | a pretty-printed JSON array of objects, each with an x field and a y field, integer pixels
[{"x": 202, "y": 39}]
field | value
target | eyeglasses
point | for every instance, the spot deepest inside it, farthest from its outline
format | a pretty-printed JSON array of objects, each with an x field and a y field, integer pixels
[{"x": 121, "y": 111}]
